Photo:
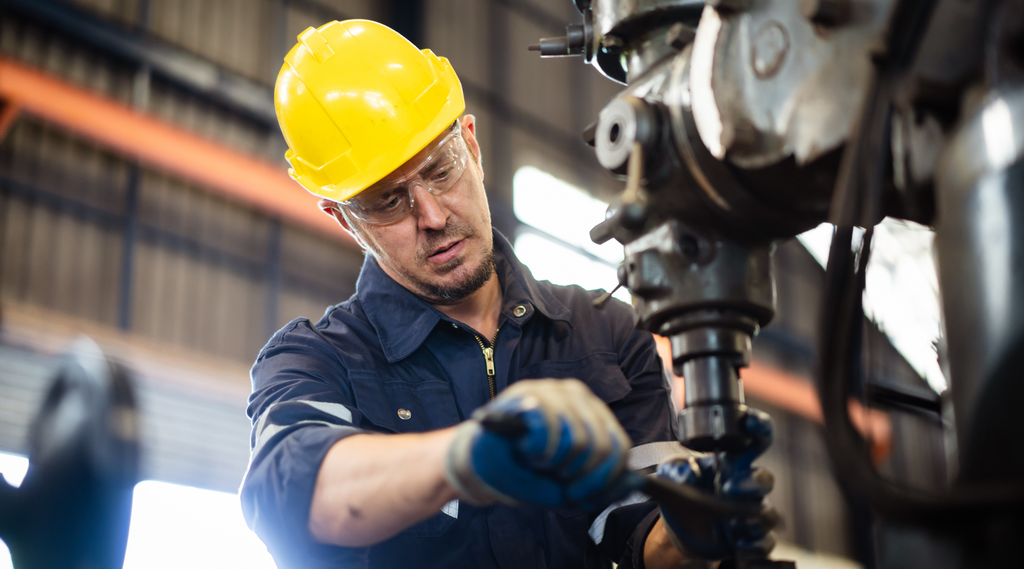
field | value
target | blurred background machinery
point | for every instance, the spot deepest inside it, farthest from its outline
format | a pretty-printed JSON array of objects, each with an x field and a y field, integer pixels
[
  {"x": 143, "y": 200},
  {"x": 74, "y": 506}
]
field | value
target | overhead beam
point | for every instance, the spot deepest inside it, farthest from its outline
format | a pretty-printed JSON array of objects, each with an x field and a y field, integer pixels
[
  {"x": 255, "y": 101},
  {"x": 164, "y": 146},
  {"x": 193, "y": 73}
]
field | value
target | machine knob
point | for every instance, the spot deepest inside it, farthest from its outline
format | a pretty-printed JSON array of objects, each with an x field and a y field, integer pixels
[
  {"x": 576, "y": 41},
  {"x": 624, "y": 121}
]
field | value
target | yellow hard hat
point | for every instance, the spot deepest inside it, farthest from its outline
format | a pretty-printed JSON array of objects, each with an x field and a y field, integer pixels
[{"x": 356, "y": 100}]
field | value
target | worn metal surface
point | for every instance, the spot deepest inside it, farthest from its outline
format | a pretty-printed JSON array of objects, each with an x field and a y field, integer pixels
[
  {"x": 616, "y": 16},
  {"x": 980, "y": 245},
  {"x": 767, "y": 83}
]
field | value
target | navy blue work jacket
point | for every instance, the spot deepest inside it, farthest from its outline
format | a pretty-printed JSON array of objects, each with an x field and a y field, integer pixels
[{"x": 385, "y": 361}]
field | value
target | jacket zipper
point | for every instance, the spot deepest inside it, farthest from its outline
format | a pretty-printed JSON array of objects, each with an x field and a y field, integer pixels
[{"x": 489, "y": 359}]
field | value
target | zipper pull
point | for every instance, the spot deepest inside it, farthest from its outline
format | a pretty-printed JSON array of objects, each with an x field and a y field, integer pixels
[{"x": 489, "y": 357}]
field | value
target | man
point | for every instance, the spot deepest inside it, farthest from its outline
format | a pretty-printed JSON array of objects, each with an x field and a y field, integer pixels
[{"x": 404, "y": 429}]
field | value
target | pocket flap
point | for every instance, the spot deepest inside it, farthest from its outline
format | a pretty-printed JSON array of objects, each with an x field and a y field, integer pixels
[
  {"x": 600, "y": 371},
  {"x": 402, "y": 406}
]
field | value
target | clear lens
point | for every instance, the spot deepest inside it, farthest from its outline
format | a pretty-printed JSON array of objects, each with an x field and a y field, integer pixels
[{"x": 393, "y": 200}]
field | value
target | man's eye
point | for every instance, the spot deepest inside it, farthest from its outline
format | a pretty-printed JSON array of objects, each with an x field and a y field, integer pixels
[
  {"x": 391, "y": 203},
  {"x": 441, "y": 174},
  {"x": 387, "y": 203}
]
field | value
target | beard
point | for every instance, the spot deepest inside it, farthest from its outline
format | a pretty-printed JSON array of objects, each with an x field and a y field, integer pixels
[
  {"x": 459, "y": 287},
  {"x": 456, "y": 291}
]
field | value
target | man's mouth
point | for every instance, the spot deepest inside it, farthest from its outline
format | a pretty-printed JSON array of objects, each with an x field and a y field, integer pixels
[{"x": 446, "y": 252}]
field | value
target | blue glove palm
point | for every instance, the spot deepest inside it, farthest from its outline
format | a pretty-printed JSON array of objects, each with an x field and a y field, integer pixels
[
  {"x": 566, "y": 449},
  {"x": 733, "y": 478}
]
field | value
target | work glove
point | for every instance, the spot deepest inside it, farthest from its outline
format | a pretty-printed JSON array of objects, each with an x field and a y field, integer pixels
[
  {"x": 549, "y": 443},
  {"x": 711, "y": 537}
]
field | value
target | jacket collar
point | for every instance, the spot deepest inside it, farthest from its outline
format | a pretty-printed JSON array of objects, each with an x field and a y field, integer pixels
[{"x": 403, "y": 320}]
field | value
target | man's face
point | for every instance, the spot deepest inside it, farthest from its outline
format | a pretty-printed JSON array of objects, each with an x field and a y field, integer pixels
[{"x": 443, "y": 251}]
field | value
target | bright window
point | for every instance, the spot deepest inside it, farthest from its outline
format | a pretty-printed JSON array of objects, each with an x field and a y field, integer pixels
[
  {"x": 175, "y": 526},
  {"x": 558, "y": 248},
  {"x": 902, "y": 293}
]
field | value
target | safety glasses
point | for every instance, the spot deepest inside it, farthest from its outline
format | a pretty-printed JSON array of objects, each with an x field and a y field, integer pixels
[{"x": 390, "y": 201}]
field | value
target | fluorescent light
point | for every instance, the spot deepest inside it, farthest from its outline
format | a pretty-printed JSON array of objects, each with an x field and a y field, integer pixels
[
  {"x": 561, "y": 210},
  {"x": 563, "y": 214},
  {"x": 549, "y": 261},
  {"x": 818, "y": 241},
  {"x": 179, "y": 526},
  {"x": 174, "y": 526},
  {"x": 14, "y": 468},
  {"x": 901, "y": 294}
]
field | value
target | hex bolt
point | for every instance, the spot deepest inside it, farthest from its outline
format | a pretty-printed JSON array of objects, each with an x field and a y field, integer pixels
[
  {"x": 769, "y": 47},
  {"x": 679, "y": 35},
  {"x": 826, "y": 12}
]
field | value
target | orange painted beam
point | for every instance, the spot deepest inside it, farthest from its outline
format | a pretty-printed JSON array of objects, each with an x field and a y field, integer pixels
[
  {"x": 796, "y": 395},
  {"x": 163, "y": 146}
]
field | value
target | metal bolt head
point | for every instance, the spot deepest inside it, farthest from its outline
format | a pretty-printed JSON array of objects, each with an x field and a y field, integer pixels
[
  {"x": 679, "y": 35},
  {"x": 404, "y": 414},
  {"x": 768, "y": 49},
  {"x": 519, "y": 310}
]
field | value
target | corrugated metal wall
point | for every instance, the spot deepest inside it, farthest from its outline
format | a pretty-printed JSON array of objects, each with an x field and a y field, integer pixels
[
  {"x": 200, "y": 266},
  {"x": 88, "y": 234},
  {"x": 203, "y": 273},
  {"x": 201, "y": 261}
]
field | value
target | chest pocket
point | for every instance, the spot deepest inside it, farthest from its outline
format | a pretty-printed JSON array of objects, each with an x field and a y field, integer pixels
[
  {"x": 599, "y": 370},
  {"x": 407, "y": 407},
  {"x": 403, "y": 406},
  {"x": 602, "y": 374}
]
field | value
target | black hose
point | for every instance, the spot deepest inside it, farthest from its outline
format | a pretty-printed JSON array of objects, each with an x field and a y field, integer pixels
[
  {"x": 840, "y": 356},
  {"x": 857, "y": 202}
]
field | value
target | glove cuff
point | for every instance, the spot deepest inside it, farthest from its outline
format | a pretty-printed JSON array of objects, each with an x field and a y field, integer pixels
[{"x": 458, "y": 469}]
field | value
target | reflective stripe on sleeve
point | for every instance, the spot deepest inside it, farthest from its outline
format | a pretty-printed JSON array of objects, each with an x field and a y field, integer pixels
[
  {"x": 271, "y": 430},
  {"x": 639, "y": 458},
  {"x": 596, "y": 530},
  {"x": 451, "y": 508},
  {"x": 336, "y": 409},
  {"x": 266, "y": 428}
]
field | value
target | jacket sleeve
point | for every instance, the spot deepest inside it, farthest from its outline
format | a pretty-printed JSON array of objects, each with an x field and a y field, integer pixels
[
  {"x": 646, "y": 413},
  {"x": 300, "y": 406}
]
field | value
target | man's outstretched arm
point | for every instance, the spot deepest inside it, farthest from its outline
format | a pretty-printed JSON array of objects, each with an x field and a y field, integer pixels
[
  {"x": 371, "y": 487},
  {"x": 567, "y": 451}
]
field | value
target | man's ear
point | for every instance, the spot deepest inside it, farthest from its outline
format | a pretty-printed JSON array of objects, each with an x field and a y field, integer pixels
[
  {"x": 469, "y": 134},
  {"x": 332, "y": 209}
]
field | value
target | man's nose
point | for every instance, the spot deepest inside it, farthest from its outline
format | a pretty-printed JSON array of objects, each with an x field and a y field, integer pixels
[{"x": 430, "y": 212}]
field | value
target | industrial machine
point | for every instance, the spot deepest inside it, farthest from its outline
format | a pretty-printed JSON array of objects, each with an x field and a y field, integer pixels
[
  {"x": 743, "y": 122},
  {"x": 74, "y": 506}
]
